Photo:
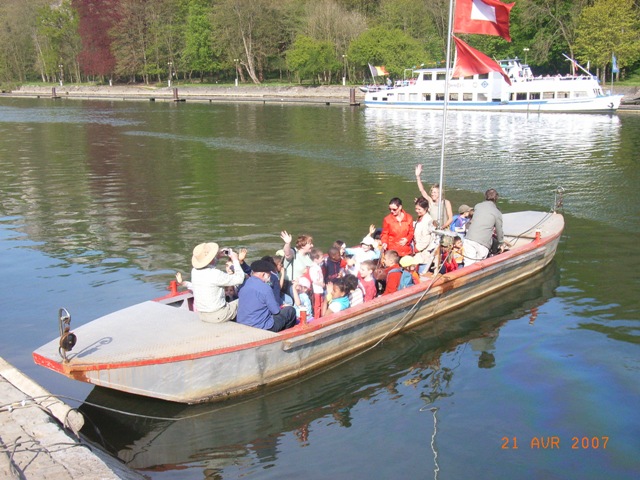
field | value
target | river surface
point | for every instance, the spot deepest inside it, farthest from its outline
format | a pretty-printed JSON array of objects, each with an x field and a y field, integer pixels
[{"x": 100, "y": 202}]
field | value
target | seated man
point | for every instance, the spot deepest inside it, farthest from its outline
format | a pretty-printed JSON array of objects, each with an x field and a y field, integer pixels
[
  {"x": 257, "y": 304},
  {"x": 487, "y": 220}
]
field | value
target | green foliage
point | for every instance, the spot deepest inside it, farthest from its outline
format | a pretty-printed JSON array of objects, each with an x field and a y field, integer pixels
[
  {"x": 198, "y": 54},
  {"x": 392, "y": 48},
  {"x": 203, "y": 37},
  {"x": 310, "y": 58},
  {"x": 608, "y": 27}
]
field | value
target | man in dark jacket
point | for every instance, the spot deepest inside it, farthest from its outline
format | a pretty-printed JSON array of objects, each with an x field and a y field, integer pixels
[{"x": 487, "y": 221}]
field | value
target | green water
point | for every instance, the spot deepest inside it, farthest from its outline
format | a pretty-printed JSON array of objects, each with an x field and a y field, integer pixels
[{"x": 101, "y": 202}]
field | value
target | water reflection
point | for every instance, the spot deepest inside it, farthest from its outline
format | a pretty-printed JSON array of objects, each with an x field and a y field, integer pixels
[{"x": 417, "y": 365}]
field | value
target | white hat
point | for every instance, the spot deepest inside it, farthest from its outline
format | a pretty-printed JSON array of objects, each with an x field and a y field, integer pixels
[
  {"x": 204, "y": 254},
  {"x": 304, "y": 282},
  {"x": 367, "y": 241}
]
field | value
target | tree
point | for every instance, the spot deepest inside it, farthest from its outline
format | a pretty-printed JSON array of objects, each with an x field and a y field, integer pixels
[
  {"x": 198, "y": 54},
  {"x": 253, "y": 31},
  {"x": 95, "y": 19},
  {"x": 311, "y": 58},
  {"x": 550, "y": 25},
  {"x": 392, "y": 48},
  {"x": 606, "y": 28},
  {"x": 18, "y": 24}
]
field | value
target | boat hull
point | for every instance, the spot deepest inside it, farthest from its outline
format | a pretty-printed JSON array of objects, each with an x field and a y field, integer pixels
[
  {"x": 603, "y": 104},
  {"x": 191, "y": 373}
]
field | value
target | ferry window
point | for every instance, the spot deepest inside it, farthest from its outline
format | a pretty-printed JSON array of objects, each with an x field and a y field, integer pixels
[
  {"x": 469, "y": 78},
  {"x": 467, "y": 97},
  {"x": 427, "y": 77},
  {"x": 547, "y": 95},
  {"x": 521, "y": 95},
  {"x": 426, "y": 97},
  {"x": 483, "y": 76},
  {"x": 563, "y": 95},
  {"x": 413, "y": 97},
  {"x": 441, "y": 76},
  {"x": 375, "y": 99},
  {"x": 440, "y": 97},
  {"x": 534, "y": 96},
  {"x": 453, "y": 97},
  {"x": 580, "y": 94},
  {"x": 482, "y": 97},
  {"x": 384, "y": 99},
  {"x": 401, "y": 97}
]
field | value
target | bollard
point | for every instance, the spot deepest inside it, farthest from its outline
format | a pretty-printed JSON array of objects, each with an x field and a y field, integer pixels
[
  {"x": 175, "y": 95},
  {"x": 173, "y": 287},
  {"x": 303, "y": 315},
  {"x": 352, "y": 97}
]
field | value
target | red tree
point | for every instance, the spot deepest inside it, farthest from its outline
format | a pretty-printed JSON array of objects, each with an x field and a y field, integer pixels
[{"x": 96, "y": 18}]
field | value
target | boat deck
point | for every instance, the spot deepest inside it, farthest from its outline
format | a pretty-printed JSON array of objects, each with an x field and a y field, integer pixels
[{"x": 175, "y": 332}]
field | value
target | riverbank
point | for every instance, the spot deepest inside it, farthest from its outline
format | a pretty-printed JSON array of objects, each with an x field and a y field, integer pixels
[
  {"x": 325, "y": 94},
  {"x": 39, "y": 436},
  {"x": 318, "y": 94}
]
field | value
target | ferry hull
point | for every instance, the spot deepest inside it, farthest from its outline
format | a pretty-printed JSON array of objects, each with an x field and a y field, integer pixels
[{"x": 184, "y": 360}]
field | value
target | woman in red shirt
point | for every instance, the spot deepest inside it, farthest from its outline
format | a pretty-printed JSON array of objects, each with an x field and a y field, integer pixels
[{"x": 397, "y": 229}]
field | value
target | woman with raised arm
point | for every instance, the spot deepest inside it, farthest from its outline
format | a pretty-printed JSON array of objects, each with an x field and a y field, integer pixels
[{"x": 446, "y": 214}]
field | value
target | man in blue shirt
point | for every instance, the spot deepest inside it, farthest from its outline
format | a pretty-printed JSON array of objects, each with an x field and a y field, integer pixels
[{"x": 257, "y": 306}]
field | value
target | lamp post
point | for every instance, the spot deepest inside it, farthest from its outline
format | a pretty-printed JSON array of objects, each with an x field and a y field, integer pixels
[
  {"x": 169, "y": 64},
  {"x": 61, "y": 67},
  {"x": 344, "y": 69},
  {"x": 235, "y": 61},
  {"x": 525, "y": 50}
]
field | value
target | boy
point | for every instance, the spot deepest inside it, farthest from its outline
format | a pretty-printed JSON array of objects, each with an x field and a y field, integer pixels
[
  {"x": 410, "y": 264},
  {"x": 365, "y": 275},
  {"x": 459, "y": 223},
  {"x": 393, "y": 270}
]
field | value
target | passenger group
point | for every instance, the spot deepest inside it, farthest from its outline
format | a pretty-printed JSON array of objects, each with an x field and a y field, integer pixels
[{"x": 301, "y": 283}]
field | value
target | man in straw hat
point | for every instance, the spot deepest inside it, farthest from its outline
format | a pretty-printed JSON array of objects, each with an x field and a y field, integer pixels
[
  {"x": 208, "y": 283},
  {"x": 258, "y": 307}
]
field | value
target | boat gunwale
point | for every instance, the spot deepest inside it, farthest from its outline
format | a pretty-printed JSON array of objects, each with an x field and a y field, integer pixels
[{"x": 299, "y": 331}]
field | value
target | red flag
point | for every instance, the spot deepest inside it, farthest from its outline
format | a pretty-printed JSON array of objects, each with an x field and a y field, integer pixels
[
  {"x": 486, "y": 17},
  {"x": 470, "y": 61}
]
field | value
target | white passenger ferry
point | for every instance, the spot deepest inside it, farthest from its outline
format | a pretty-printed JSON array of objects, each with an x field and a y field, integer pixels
[{"x": 490, "y": 91}]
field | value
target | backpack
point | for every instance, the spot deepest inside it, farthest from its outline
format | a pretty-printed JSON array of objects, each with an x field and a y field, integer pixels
[{"x": 406, "y": 279}]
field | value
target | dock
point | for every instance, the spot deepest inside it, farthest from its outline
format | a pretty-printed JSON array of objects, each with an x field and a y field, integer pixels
[{"x": 40, "y": 436}]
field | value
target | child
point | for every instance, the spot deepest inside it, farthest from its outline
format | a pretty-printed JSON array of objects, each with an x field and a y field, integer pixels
[
  {"x": 458, "y": 251},
  {"x": 317, "y": 280},
  {"x": 409, "y": 264},
  {"x": 336, "y": 299},
  {"x": 301, "y": 298},
  {"x": 365, "y": 275},
  {"x": 366, "y": 251},
  {"x": 459, "y": 223},
  {"x": 333, "y": 265},
  {"x": 393, "y": 271},
  {"x": 355, "y": 289}
]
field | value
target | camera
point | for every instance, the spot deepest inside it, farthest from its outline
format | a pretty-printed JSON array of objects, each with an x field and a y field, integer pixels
[{"x": 226, "y": 251}]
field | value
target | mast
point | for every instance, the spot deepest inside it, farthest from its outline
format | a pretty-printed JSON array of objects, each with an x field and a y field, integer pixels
[{"x": 445, "y": 110}]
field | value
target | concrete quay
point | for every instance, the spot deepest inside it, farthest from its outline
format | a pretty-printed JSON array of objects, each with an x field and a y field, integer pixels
[{"x": 39, "y": 436}]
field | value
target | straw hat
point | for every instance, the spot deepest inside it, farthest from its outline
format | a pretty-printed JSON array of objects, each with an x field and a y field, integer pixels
[{"x": 204, "y": 254}]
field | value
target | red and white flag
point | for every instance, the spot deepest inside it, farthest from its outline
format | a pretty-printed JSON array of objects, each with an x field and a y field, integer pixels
[
  {"x": 485, "y": 17},
  {"x": 470, "y": 61}
]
